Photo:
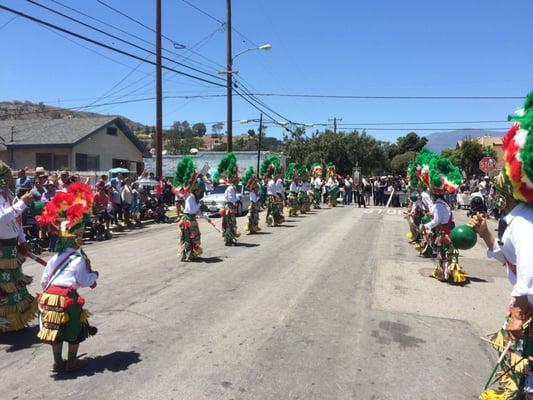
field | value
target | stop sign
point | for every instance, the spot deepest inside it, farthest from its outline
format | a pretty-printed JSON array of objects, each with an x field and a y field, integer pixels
[{"x": 487, "y": 164}]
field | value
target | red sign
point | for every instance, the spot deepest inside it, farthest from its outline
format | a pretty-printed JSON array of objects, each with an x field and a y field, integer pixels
[{"x": 487, "y": 164}]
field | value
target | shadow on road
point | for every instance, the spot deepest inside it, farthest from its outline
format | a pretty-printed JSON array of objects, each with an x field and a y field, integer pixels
[
  {"x": 260, "y": 233},
  {"x": 240, "y": 244},
  {"x": 208, "y": 260},
  {"x": 285, "y": 226},
  {"x": 474, "y": 279},
  {"x": 20, "y": 340},
  {"x": 114, "y": 362}
]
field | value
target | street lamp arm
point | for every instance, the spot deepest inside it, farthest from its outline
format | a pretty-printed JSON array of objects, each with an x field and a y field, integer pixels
[{"x": 262, "y": 47}]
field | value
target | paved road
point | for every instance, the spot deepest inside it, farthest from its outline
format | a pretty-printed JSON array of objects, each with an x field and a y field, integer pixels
[{"x": 333, "y": 305}]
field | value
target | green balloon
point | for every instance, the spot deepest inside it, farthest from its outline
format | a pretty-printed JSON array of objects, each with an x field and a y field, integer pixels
[
  {"x": 425, "y": 219},
  {"x": 413, "y": 197},
  {"x": 463, "y": 237}
]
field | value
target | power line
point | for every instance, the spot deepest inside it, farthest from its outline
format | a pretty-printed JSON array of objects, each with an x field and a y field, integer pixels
[
  {"x": 120, "y": 39},
  {"x": 115, "y": 49},
  {"x": 366, "y": 97},
  {"x": 8, "y": 22},
  {"x": 174, "y": 43},
  {"x": 110, "y": 25}
]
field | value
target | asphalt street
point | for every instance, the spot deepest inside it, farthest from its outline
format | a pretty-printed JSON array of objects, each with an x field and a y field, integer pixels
[{"x": 331, "y": 305}]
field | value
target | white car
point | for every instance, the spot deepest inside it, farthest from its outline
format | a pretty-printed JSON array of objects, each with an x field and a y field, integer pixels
[{"x": 215, "y": 200}]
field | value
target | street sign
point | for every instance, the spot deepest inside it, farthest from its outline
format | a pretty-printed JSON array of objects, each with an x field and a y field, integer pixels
[{"x": 487, "y": 164}]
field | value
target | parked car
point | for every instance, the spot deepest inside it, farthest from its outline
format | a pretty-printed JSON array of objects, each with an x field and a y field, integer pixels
[{"x": 215, "y": 200}]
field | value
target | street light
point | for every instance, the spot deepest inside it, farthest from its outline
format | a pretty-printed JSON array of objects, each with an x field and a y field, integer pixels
[{"x": 229, "y": 82}]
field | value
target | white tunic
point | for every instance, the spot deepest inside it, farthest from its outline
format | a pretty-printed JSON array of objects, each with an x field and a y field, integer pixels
[
  {"x": 254, "y": 197},
  {"x": 516, "y": 249},
  {"x": 317, "y": 183},
  {"x": 74, "y": 275},
  {"x": 441, "y": 214},
  {"x": 426, "y": 199},
  {"x": 230, "y": 195},
  {"x": 293, "y": 187},
  {"x": 305, "y": 186},
  {"x": 10, "y": 228},
  {"x": 280, "y": 188},
  {"x": 191, "y": 205},
  {"x": 271, "y": 188}
]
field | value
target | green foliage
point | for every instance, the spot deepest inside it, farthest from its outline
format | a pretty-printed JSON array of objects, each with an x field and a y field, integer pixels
[
  {"x": 345, "y": 150},
  {"x": 199, "y": 129},
  {"x": 454, "y": 155},
  {"x": 400, "y": 162},
  {"x": 471, "y": 154}
]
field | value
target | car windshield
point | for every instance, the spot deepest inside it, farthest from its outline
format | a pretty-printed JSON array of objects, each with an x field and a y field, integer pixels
[
  {"x": 222, "y": 188},
  {"x": 219, "y": 189}
]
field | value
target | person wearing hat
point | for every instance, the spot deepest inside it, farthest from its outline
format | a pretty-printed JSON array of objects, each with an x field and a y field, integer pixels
[
  {"x": 316, "y": 184},
  {"x": 17, "y": 305},
  {"x": 186, "y": 186},
  {"x": 514, "y": 187},
  {"x": 440, "y": 176},
  {"x": 249, "y": 180},
  {"x": 292, "y": 198},
  {"x": 63, "y": 318},
  {"x": 228, "y": 170},
  {"x": 269, "y": 170}
]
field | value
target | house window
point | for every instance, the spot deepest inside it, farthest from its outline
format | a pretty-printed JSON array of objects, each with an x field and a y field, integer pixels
[
  {"x": 87, "y": 162},
  {"x": 51, "y": 161},
  {"x": 111, "y": 130},
  {"x": 116, "y": 163}
]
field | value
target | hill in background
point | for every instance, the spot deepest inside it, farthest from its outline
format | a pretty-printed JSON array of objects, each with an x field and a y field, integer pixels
[
  {"x": 26, "y": 110},
  {"x": 439, "y": 141}
]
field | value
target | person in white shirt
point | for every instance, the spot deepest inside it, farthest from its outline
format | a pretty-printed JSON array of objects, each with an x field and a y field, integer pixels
[
  {"x": 316, "y": 183},
  {"x": 270, "y": 169},
  {"x": 427, "y": 201},
  {"x": 17, "y": 305},
  {"x": 228, "y": 167},
  {"x": 514, "y": 196},
  {"x": 332, "y": 186},
  {"x": 63, "y": 318},
  {"x": 292, "y": 198},
  {"x": 249, "y": 180},
  {"x": 186, "y": 187},
  {"x": 304, "y": 193}
]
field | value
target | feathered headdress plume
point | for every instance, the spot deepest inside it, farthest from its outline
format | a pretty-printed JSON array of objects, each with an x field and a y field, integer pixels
[
  {"x": 227, "y": 168},
  {"x": 316, "y": 170},
  {"x": 516, "y": 177},
  {"x": 185, "y": 176},
  {"x": 67, "y": 212}
]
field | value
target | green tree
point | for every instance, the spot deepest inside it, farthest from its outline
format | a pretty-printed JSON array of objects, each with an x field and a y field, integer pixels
[
  {"x": 471, "y": 154},
  {"x": 410, "y": 142},
  {"x": 199, "y": 129},
  {"x": 454, "y": 155},
  {"x": 217, "y": 128},
  {"x": 400, "y": 162}
]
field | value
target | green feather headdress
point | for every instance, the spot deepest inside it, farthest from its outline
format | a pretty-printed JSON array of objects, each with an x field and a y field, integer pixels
[
  {"x": 270, "y": 166},
  {"x": 290, "y": 171},
  {"x": 331, "y": 169},
  {"x": 185, "y": 173},
  {"x": 316, "y": 169},
  {"x": 227, "y": 167},
  {"x": 302, "y": 172}
]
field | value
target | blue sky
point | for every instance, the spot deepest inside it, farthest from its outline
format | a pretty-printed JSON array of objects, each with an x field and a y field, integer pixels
[{"x": 365, "y": 47}]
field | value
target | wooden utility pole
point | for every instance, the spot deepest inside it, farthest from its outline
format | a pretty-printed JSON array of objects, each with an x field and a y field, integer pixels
[
  {"x": 158, "y": 94},
  {"x": 259, "y": 144},
  {"x": 229, "y": 82},
  {"x": 335, "y": 123}
]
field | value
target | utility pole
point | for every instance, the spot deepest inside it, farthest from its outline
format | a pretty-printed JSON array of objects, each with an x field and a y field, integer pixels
[
  {"x": 159, "y": 94},
  {"x": 229, "y": 74},
  {"x": 259, "y": 144},
  {"x": 335, "y": 119}
]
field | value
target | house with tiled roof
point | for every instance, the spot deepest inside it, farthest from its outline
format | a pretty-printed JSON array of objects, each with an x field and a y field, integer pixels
[{"x": 77, "y": 144}]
